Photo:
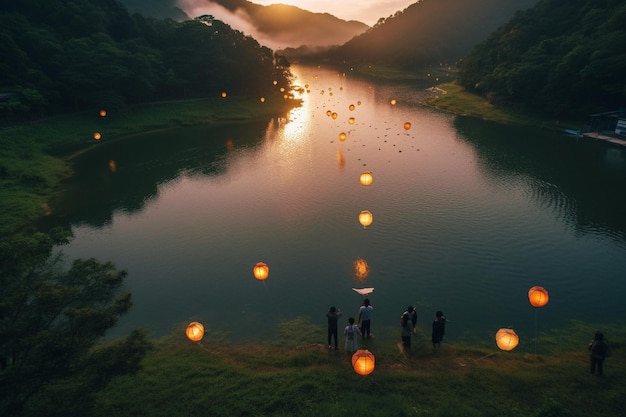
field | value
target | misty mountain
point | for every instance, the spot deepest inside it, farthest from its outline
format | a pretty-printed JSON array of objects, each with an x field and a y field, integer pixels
[
  {"x": 428, "y": 31},
  {"x": 276, "y": 26}
]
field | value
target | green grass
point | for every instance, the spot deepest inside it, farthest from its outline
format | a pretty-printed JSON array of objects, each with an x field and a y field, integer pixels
[
  {"x": 34, "y": 156},
  {"x": 300, "y": 377},
  {"x": 452, "y": 97}
]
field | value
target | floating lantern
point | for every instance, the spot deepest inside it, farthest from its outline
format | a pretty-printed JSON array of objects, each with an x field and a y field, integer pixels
[
  {"x": 195, "y": 331},
  {"x": 282, "y": 89},
  {"x": 223, "y": 94},
  {"x": 334, "y": 115},
  {"x": 538, "y": 296},
  {"x": 329, "y": 113},
  {"x": 261, "y": 271},
  {"x": 342, "y": 136},
  {"x": 112, "y": 166},
  {"x": 393, "y": 102},
  {"x": 407, "y": 125},
  {"x": 361, "y": 269},
  {"x": 274, "y": 82},
  {"x": 351, "y": 107},
  {"x": 358, "y": 103},
  {"x": 262, "y": 99},
  {"x": 97, "y": 136},
  {"x": 351, "y": 120},
  {"x": 103, "y": 113},
  {"x": 363, "y": 362},
  {"x": 366, "y": 218},
  {"x": 366, "y": 178},
  {"x": 507, "y": 339}
]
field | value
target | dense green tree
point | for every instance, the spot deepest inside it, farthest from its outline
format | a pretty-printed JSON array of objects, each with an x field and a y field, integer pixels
[
  {"x": 562, "y": 58},
  {"x": 52, "y": 321},
  {"x": 64, "y": 56}
]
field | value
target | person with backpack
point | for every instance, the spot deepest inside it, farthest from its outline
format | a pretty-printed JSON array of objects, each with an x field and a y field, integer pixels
[
  {"x": 351, "y": 331},
  {"x": 599, "y": 349}
]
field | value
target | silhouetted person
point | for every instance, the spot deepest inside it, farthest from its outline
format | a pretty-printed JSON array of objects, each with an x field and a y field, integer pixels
[
  {"x": 365, "y": 318},
  {"x": 406, "y": 326},
  {"x": 439, "y": 329},
  {"x": 332, "y": 316},
  {"x": 598, "y": 350}
]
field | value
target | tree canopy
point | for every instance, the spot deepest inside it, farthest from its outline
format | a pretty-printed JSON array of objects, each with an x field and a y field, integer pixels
[
  {"x": 565, "y": 58},
  {"x": 52, "y": 320},
  {"x": 63, "y": 56}
]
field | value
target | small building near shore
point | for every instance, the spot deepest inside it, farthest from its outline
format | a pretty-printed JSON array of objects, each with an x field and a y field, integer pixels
[{"x": 612, "y": 121}]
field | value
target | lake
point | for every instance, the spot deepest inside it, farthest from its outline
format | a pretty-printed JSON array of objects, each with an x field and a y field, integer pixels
[{"x": 467, "y": 216}]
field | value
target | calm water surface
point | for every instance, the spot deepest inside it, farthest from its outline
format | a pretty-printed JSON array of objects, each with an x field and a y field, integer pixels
[{"x": 468, "y": 215}]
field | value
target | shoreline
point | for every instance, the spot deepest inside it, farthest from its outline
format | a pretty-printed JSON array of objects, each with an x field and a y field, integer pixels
[{"x": 38, "y": 154}]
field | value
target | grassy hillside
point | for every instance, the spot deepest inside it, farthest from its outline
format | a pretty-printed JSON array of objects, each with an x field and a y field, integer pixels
[{"x": 299, "y": 376}]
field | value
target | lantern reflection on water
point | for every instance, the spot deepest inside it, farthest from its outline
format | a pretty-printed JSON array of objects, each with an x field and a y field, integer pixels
[{"x": 361, "y": 269}]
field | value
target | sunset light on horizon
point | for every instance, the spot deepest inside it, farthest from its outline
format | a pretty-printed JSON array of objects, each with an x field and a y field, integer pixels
[{"x": 366, "y": 11}]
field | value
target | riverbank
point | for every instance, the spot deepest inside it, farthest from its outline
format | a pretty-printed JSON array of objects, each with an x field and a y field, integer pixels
[
  {"x": 35, "y": 156},
  {"x": 297, "y": 375}
]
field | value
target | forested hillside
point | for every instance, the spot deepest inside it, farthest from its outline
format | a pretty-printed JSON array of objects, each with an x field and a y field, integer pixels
[
  {"x": 276, "y": 25},
  {"x": 560, "y": 57},
  {"x": 428, "y": 31},
  {"x": 60, "y": 56}
]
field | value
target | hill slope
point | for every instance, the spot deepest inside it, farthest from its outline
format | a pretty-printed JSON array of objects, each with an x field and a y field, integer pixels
[
  {"x": 564, "y": 58},
  {"x": 428, "y": 31},
  {"x": 276, "y": 26}
]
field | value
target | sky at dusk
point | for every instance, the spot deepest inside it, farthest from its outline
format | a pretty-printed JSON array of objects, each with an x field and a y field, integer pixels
[{"x": 366, "y": 11}]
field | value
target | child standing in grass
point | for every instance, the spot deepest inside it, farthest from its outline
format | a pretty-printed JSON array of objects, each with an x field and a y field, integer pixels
[{"x": 351, "y": 331}]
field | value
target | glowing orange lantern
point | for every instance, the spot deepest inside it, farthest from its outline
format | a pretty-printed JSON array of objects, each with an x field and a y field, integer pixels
[
  {"x": 262, "y": 99},
  {"x": 363, "y": 362},
  {"x": 97, "y": 136},
  {"x": 538, "y": 296},
  {"x": 351, "y": 120},
  {"x": 261, "y": 271},
  {"x": 393, "y": 102},
  {"x": 342, "y": 136},
  {"x": 351, "y": 107},
  {"x": 361, "y": 269},
  {"x": 507, "y": 339},
  {"x": 329, "y": 113},
  {"x": 195, "y": 331},
  {"x": 274, "y": 82},
  {"x": 407, "y": 126},
  {"x": 366, "y": 218},
  {"x": 366, "y": 178},
  {"x": 223, "y": 94},
  {"x": 334, "y": 115},
  {"x": 103, "y": 113}
]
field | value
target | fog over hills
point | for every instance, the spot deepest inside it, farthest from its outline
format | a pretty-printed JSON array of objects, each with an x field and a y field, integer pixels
[{"x": 276, "y": 26}]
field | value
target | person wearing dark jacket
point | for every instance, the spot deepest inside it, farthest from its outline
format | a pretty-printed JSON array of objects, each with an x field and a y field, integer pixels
[{"x": 599, "y": 350}]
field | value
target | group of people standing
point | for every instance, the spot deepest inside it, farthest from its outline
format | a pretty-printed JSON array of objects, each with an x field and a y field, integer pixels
[{"x": 362, "y": 327}]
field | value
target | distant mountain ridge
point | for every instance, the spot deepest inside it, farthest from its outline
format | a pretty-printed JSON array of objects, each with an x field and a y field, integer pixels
[
  {"x": 429, "y": 31},
  {"x": 277, "y": 25}
]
